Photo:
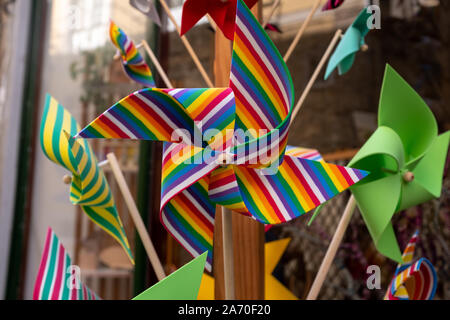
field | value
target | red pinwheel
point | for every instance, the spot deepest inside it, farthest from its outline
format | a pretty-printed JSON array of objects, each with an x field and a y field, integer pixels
[{"x": 223, "y": 12}]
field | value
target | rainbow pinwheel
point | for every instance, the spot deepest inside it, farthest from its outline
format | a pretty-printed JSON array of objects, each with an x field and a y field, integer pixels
[
  {"x": 351, "y": 42},
  {"x": 233, "y": 142},
  {"x": 183, "y": 284},
  {"x": 332, "y": 4},
  {"x": 89, "y": 187},
  {"x": 406, "y": 158},
  {"x": 133, "y": 63},
  {"x": 55, "y": 274},
  {"x": 222, "y": 12},
  {"x": 413, "y": 280}
]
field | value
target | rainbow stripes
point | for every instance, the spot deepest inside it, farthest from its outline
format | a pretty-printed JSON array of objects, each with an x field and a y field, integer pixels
[
  {"x": 57, "y": 278},
  {"x": 260, "y": 98},
  {"x": 413, "y": 281},
  {"x": 133, "y": 63},
  {"x": 89, "y": 187}
]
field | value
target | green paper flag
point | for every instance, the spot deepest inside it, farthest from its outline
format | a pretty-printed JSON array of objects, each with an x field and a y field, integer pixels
[
  {"x": 183, "y": 284},
  {"x": 353, "y": 39},
  {"x": 406, "y": 158}
]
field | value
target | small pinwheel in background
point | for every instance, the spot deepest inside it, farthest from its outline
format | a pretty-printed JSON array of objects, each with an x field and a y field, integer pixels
[
  {"x": 413, "y": 281},
  {"x": 406, "y": 158},
  {"x": 252, "y": 115},
  {"x": 89, "y": 187},
  {"x": 148, "y": 8},
  {"x": 133, "y": 63},
  {"x": 332, "y": 4},
  {"x": 55, "y": 273},
  {"x": 183, "y": 284},
  {"x": 352, "y": 41},
  {"x": 222, "y": 12}
]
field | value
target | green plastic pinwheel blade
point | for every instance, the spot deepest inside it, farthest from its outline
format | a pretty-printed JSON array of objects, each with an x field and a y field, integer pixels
[
  {"x": 403, "y": 110},
  {"x": 344, "y": 55},
  {"x": 183, "y": 284},
  {"x": 428, "y": 175}
]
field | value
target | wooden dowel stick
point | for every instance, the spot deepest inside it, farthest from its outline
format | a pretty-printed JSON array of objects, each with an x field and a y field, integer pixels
[
  {"x": 228, "y": 253},
  {"x": 155, "y": 61},
  {"x": 137, "y": 219},
  {"x": 271, "y": 12},
  {"x": 332, "y": 249},
  {"x": 187, "y": 44},
  {"x": 302, "y": 30},
  {"x": 316, "y": 73}
]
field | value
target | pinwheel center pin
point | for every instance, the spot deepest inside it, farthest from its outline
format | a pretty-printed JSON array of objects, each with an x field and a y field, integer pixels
[{"x": 408, "y": 176}]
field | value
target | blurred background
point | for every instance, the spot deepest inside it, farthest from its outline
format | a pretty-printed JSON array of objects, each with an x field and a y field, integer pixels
[{"x": 62, "y": 47}]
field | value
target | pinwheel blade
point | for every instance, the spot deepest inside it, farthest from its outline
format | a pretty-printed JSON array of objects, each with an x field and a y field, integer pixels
[
  {"x": 183, "y": 284},
  {"x": 428, "y": 175},
  {"x": 344, "y": 55},
  {"x": 377, "y": 201},
  {"x": 299, "y": 186},
  {"x": 148, "y": 8},
  {"x": 332, "y": 4},
  {"x": 403, "y": 110},
  {"x": 133, "y": 63},
  {"x": 413, "y": 280},
  {"x": 57, "y": 278},
  {"x": 89, "y": 187}
]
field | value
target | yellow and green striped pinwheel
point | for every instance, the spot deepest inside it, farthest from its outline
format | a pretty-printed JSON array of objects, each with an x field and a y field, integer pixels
[{"x": 89, "y": 187}]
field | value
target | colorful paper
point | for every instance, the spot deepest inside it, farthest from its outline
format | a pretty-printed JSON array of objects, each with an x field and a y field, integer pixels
[
  {"x": 148, "y": 8},
  {"x": 413, "y": 280},
  {"x": 57, "y": 278},
  {"x": 222, "y": 12},
  {"x": 332, "y": 4},
  {"x": 183, "y": 284},
  {"x": 351, "y": 42},
  {"x": 133, "y": 63},
  {"x": 89, "y": 187},
  {"x": 259, "y": 103},
  {"x": 274, "y": 290}
]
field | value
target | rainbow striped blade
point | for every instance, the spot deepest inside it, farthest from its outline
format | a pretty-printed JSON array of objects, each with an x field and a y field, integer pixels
[
  {"x": 413, "y": 280},
  {"x": 133, "y": 63},
  {"x": 57, "y": 278},
  {"x": 89, "y": 187}
]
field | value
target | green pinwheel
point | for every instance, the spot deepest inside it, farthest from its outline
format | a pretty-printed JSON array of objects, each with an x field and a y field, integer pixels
[
  {"x": 352, "y": 41},
  {"x": 406, "y": 158}
]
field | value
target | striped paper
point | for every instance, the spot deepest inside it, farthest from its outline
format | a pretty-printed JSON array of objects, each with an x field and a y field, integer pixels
[
  {"x": 133, "y": 63},
  {"x": 57, "y": 278},
  {"x": 89, "y": 187},
  {"x": 413, "y": 280}
]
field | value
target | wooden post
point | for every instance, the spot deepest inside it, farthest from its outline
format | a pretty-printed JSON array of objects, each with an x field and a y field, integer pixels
[
  {"x": 222, "y": 66},
  {"x": 332, "y": 249},
  {"x": 247, "y": 234},
  {"x": 248, "y": 242},
  {"x": 137, "y": 219}
]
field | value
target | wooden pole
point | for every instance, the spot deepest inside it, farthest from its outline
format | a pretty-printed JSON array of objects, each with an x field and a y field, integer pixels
[
  {"x": 155, "y": 61},
  {"x": 302, "y": 30},
  {"x": 271, "y": 12},
  {"x": 316, "y": 73},
  {"x": 187, "y": 44},
  {"x": 332, "y": 249},
  {"x": 228, "y": 254},
  {"x": 137, "y": 219}
]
